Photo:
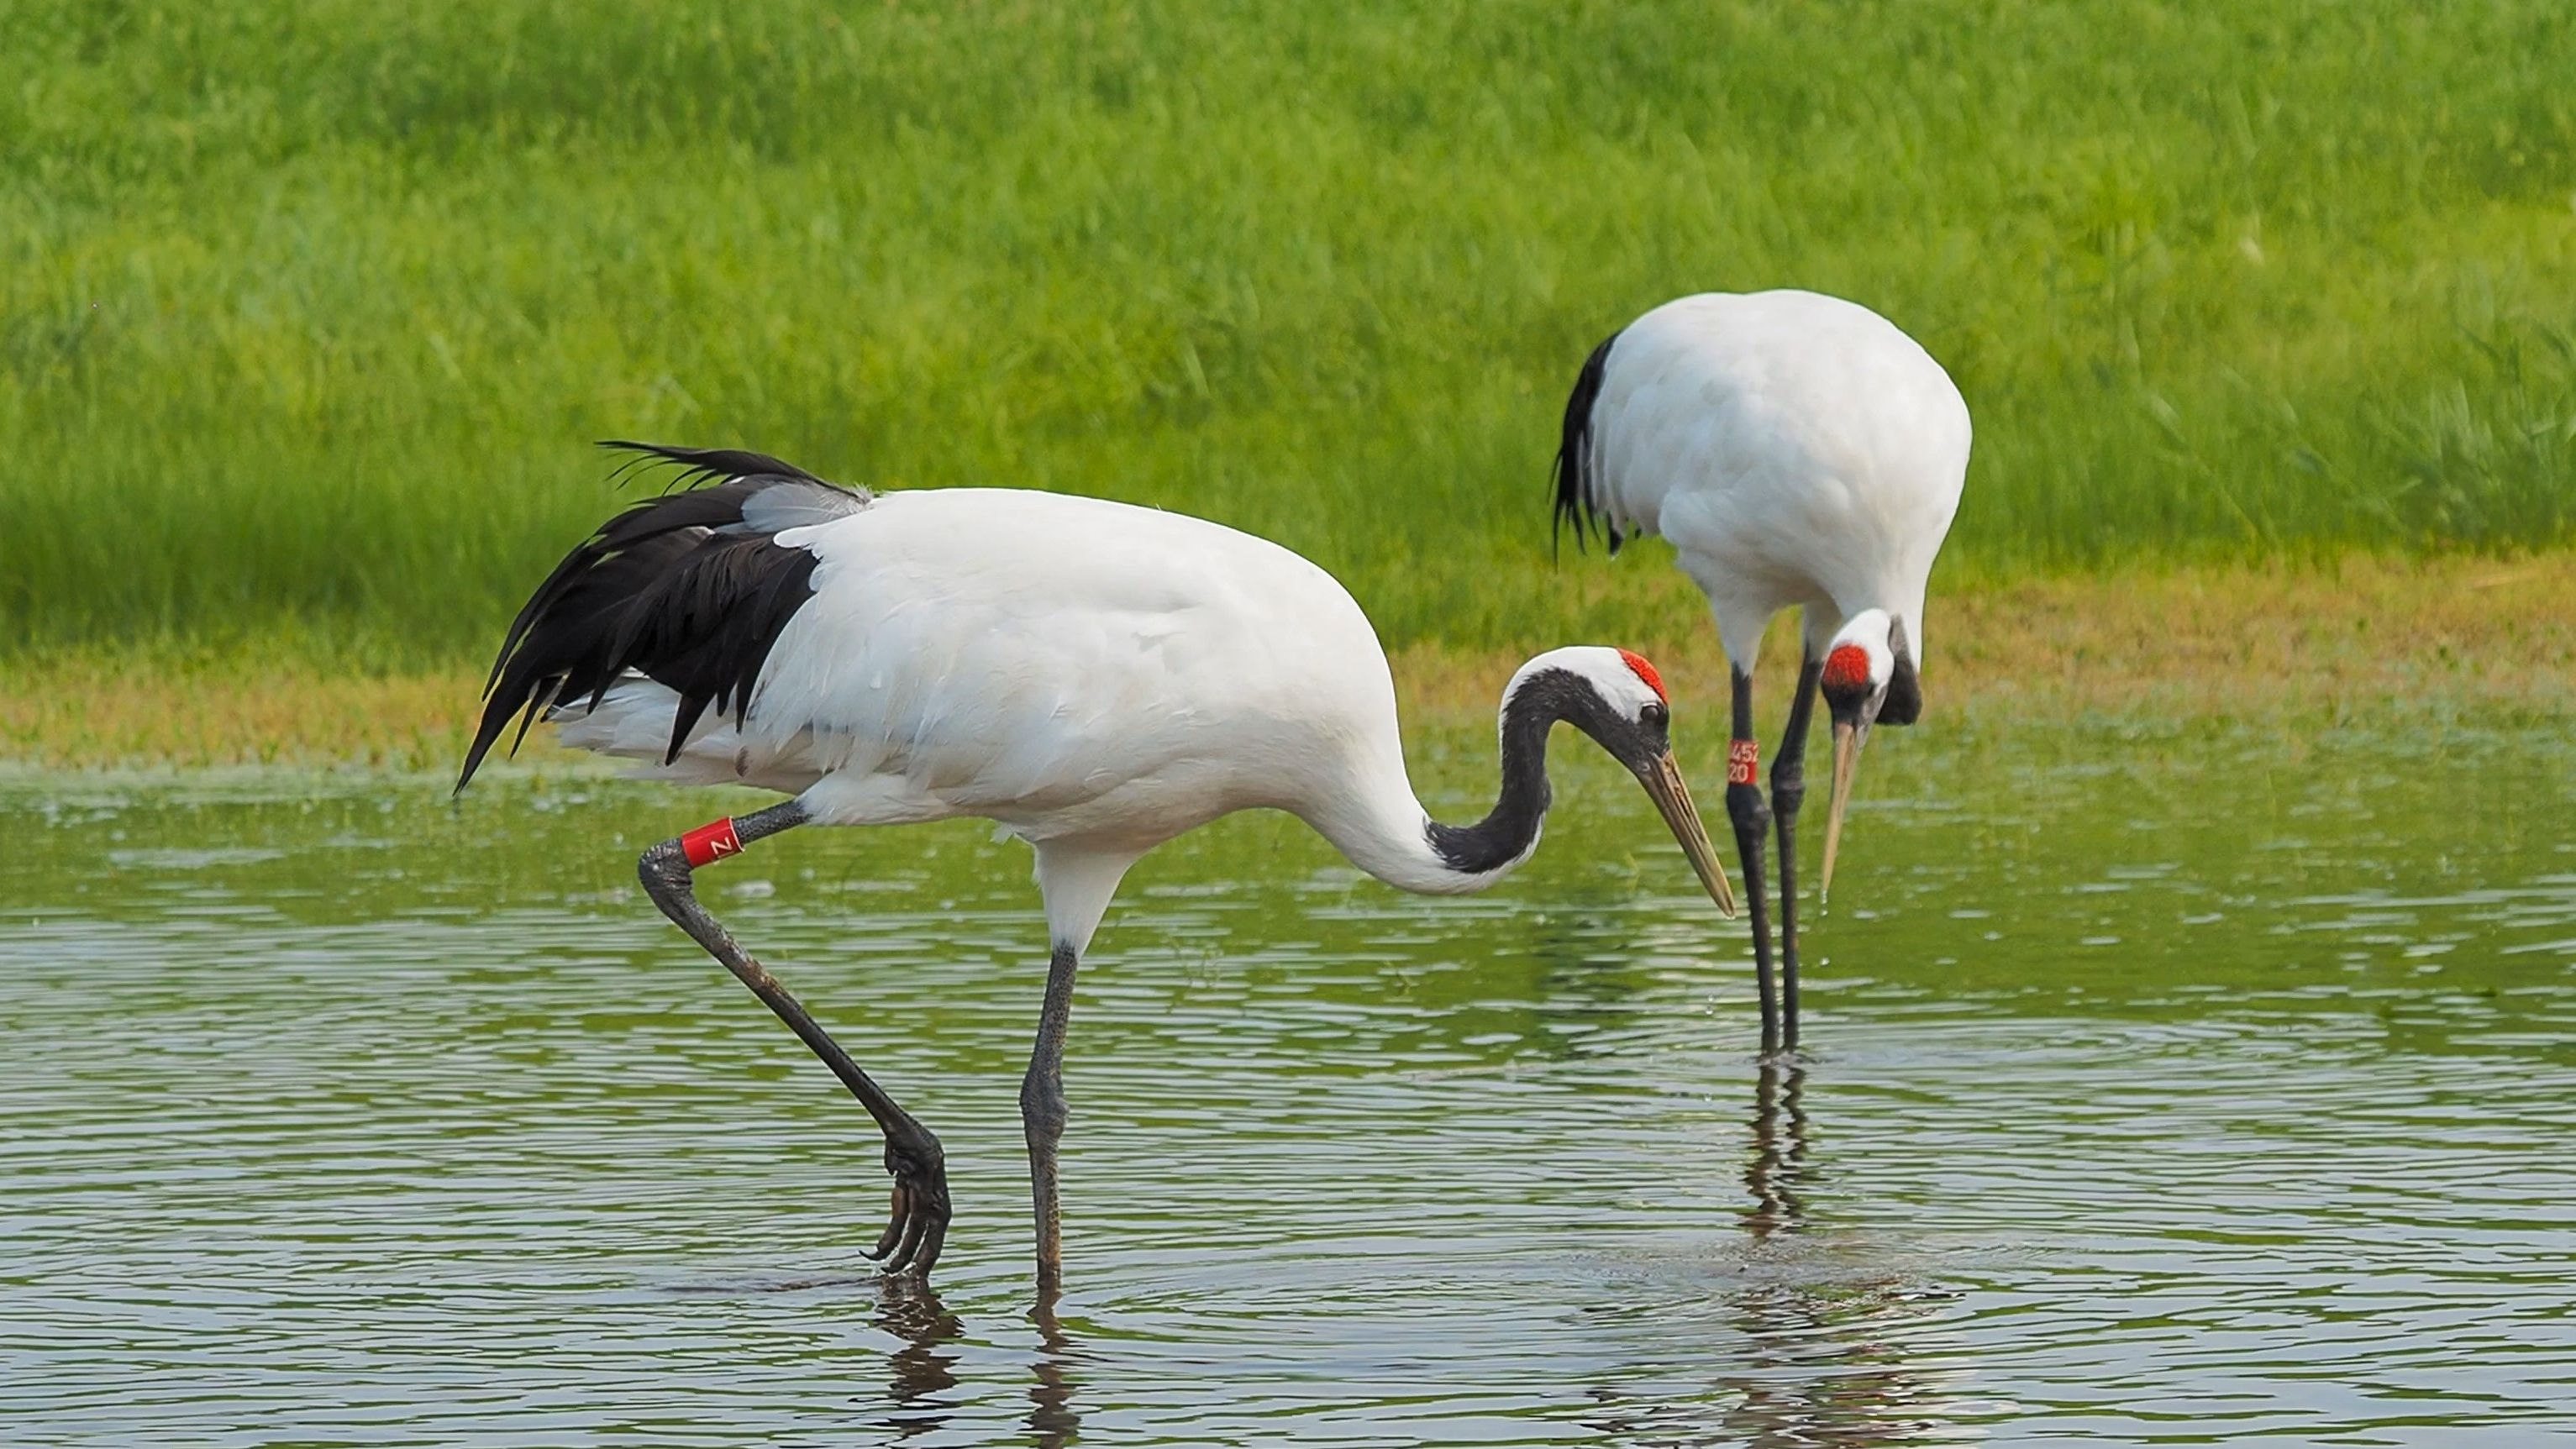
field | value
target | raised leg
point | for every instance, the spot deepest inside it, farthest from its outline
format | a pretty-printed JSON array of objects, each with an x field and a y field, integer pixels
[
  {"x": 1744, "y": 806},
  {"x": 1042, "y": 1117},
  {"x": 1788, "y": 792},
  {"x": 919, "y": 1221}
]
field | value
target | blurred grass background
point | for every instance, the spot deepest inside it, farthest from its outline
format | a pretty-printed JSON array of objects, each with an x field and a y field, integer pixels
[{"x": 308, "y": 308}]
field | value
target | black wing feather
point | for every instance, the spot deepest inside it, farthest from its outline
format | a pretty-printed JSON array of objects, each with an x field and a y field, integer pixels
[
  {"x": 680, "y": 588},
  {"x": 1575, "y": 482},
  {"x": 716, "y": 465}
]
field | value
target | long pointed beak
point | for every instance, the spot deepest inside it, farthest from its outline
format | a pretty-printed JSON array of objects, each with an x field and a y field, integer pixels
[
  {"x": 1848, "y": 739},
  {"x": 1673, "y": 798}
]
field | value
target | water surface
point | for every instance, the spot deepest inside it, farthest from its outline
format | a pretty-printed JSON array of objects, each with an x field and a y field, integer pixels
[{"x": 2162, "y": 1087}]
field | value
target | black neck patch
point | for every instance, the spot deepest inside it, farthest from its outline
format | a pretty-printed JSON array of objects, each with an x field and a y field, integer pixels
[
  {"x": 1902, "y": 701},
  {"x": 1511, "y": 828},
  {"x": 1904, "y": 687}
]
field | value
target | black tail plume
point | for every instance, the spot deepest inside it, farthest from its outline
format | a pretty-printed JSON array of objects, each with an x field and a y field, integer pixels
[
  {"x": 690, "y": 589},
  {"x": 1574, "y": 469}
]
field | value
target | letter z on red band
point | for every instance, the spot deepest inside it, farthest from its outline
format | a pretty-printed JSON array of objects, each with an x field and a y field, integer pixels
[{"x": 711, "y": 842}]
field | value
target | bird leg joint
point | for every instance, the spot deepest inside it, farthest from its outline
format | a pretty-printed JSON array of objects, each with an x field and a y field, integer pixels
[
  {"x": 1750, "y": 812},
  {"x": 665, "y": 870},
  {"x": 1042, "y": 1106},
  {"x": 1788, "y": 783}
]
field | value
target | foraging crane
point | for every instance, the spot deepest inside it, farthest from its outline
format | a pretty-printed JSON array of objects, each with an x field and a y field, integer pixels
[
  {"x": 1794, "y": 449},
  {"x": 1094, "y": 677}
]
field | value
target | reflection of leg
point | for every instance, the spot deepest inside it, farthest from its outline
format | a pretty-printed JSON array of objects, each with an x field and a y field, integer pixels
[
  {"x": 1762, "y": 1168},
  {"x": 1052, "y": 1421},
  {"x": 920, "y": 1217},
  {"x": 922, "y": 1369},
  {"x": 1779, "y": 1147},
  {"x": 1042, "y": 1117},
  {"x": 1752, "y": 819},
  {"x": 1788, "y": 792}
]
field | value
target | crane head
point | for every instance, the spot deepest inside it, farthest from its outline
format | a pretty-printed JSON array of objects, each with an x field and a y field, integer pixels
[
  {"x": 1868, "y": 678},
  {"x": 1617, "y": 698}
]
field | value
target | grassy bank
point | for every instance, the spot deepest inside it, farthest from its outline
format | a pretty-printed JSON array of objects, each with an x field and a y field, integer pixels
[
  {"x": 2360, "y": 643},
  {"x": 306, "y": 307}
]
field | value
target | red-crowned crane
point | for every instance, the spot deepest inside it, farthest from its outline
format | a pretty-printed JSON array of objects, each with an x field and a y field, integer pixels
[
  {"x": 1794, "y": 449},
  {"x": 1094, "y": 677}
]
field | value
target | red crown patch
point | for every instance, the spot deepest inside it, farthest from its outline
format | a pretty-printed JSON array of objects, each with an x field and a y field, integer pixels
[
  {"x": 1847, "y": 668},
  {"x": 1646, "y": 672}
]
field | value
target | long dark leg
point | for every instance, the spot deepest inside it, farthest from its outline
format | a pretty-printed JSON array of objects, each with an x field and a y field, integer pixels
[
  {"x": 919, "y": 1223},
  {"x": 1788, "y": 792},
  {"x": 1042, "y": 1117},
  {"x": 1744, "y": 805}
]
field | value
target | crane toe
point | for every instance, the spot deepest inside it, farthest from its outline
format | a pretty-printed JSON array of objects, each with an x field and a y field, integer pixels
[
  {"x": 898, "y": 1213},
  {"x": 917, "y": 1217}
]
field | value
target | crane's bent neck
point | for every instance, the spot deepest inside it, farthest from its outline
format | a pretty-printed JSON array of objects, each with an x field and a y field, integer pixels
[
  {"x": 1385, "y": 830},
  {"x": 1491, "y": 847}
]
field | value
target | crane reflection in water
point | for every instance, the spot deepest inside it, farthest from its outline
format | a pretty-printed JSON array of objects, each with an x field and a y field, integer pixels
[
  {"x": 921, "y": 1369},
  {"x": 1806, "y": 1345},
  {"x": 1811, "y": 1339},
  {"x": 1825, "y": 1365},
  {"x": 1776, "y": 1164}
]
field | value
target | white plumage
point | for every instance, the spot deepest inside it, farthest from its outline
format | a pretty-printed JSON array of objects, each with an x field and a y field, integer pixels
[
  {"x": 1796, "y": 450},
  {"x": 1093, "y": 676}
]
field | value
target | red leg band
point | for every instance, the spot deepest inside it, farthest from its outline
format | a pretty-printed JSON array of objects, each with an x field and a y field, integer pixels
[
  {"x": 1741, "y": 758},
  {"x": 711, "y": 842}
]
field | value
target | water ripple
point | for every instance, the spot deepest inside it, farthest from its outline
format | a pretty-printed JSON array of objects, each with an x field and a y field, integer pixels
[{"x": 334, "y": 1113}]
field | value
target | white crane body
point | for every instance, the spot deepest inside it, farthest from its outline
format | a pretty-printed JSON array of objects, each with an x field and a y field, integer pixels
[
  {"x": 1795, "y": 449},
  {"x": 1095, "y": 677}
]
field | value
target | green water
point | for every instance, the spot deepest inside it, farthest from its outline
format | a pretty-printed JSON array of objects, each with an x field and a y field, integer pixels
[{"x": 2162, "y": 1087}]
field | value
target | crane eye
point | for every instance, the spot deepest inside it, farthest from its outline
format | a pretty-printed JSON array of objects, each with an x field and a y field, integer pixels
[{"x": 1656, "y": 715}]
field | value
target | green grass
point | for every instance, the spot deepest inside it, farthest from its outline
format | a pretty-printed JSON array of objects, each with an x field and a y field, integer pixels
[{"x": 307, "y": 309}]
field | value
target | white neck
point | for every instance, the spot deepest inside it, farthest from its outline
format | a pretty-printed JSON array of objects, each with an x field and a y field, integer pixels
[{"x": 1387, "y": 832}]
